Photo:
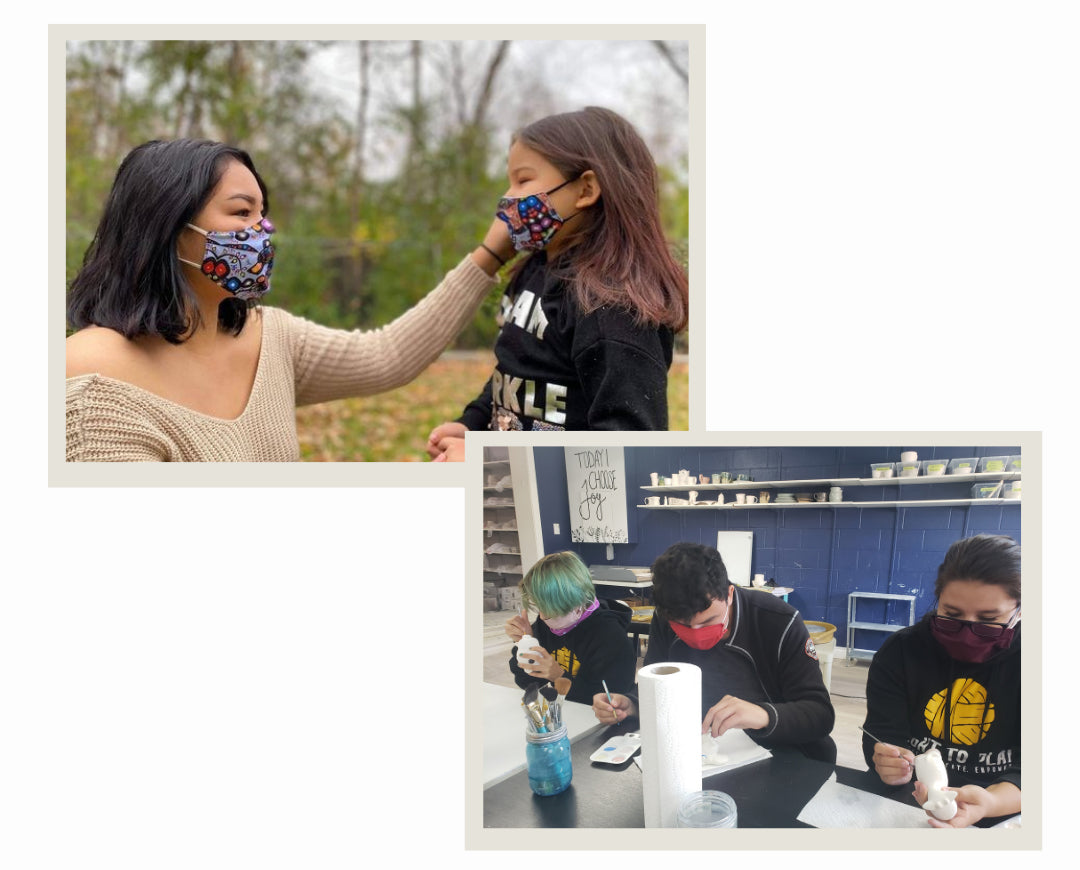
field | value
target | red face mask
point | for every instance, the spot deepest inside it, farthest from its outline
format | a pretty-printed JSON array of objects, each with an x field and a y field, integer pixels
[{"x": 705, "y": 637}]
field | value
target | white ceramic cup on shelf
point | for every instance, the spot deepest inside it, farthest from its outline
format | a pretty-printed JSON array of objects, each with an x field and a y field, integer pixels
[
  {"x": 740, "y": 498},
  {"x": 654, "y": 477}
]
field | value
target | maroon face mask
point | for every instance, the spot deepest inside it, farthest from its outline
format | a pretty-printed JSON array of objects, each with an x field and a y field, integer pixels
[{"x": 961, "y": 641}]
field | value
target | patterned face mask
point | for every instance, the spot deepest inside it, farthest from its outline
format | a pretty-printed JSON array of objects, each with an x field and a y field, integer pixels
[
  {"x": 532, "y": 220},
  {"x": 239, "y": 261}
]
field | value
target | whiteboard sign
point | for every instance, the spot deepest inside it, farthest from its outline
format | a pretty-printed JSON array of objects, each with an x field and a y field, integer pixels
[
  {"x": 596, "y": 484},
  {"x": 736, "y": 549}
]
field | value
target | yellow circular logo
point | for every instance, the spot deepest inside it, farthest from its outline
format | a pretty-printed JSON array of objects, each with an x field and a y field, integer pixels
[{"x": 969, "y": 717}]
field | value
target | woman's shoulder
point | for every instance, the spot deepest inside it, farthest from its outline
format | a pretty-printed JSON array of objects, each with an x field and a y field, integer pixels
[{"x": 101, "y": 351}]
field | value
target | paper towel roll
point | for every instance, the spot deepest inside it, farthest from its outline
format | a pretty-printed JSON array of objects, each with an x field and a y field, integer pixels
[{"x": 669, "y": 698}]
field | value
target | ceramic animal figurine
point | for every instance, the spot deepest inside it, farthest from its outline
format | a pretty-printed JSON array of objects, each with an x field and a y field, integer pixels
[
  {"x": 526, "y": 643},
  {"x": 930, "y": 771}
]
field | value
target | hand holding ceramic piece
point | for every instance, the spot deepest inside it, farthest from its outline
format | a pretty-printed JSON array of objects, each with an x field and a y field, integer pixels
[{"x": 930, "y": 771}]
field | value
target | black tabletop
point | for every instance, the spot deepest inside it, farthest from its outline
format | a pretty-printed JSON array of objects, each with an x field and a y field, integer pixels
[{"x": 768, "y": 794}]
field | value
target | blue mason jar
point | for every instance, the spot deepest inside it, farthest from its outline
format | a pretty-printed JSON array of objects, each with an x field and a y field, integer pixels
[{"x": 548, "y": 758}]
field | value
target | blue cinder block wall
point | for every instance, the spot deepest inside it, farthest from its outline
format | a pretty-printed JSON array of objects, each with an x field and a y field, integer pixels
[{"x": 821, "y": 553}]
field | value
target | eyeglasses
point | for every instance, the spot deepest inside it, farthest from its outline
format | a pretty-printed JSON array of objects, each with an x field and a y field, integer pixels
[{"x": 949, "y": 625}]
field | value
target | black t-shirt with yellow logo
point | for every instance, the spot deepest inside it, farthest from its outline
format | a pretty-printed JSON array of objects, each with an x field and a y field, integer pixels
[
  {"x": 597, "y": 650},
  {"x": 918, "y": 697}
]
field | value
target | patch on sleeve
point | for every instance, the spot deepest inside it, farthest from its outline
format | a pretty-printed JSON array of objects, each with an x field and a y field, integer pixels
[{"x": 810, "y": 649}]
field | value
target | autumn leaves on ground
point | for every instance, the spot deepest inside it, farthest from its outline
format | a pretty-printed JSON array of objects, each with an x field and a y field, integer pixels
[{"x": 392, "y": 427}]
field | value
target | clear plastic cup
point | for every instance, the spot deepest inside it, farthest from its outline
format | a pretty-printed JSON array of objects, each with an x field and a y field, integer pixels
[{"x": 707, "y": 809}]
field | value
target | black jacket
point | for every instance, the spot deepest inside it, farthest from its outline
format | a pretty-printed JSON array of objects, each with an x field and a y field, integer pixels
[
  {"x": 557, "y": 368},
  {"x": 766, "y": 658},
  {"x": 916, "y": 694},
  {"x": 597, "y": 649}
]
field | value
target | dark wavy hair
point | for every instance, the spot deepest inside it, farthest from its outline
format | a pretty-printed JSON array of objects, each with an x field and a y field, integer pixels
[
  {"x": 131, "y": 280},
  {"x": 992, "y": 559},
  {"x": 617, "y": 254},
  {"x": 686, "y": 578}
]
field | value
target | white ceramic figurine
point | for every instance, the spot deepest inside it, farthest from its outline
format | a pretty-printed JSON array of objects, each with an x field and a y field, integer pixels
[
  {"x": 930, "y": 771},
  {"x": 526, "y": 643}
]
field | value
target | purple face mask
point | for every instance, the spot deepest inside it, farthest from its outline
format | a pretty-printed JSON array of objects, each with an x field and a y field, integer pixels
[
  {"x": 560, "y": 625},
  {"x": 239, "y": 261}
]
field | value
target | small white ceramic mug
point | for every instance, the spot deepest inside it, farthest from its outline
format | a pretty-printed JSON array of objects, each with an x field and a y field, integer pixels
[
  {"x": 751, "y": 499},
  {"x": 740, "y": 497}
]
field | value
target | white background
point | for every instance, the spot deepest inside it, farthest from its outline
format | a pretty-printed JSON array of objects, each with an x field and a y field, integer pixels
[{"x": 233, "y": 678}]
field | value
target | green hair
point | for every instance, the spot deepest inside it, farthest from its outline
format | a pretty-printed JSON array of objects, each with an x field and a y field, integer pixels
[{"x": 557, "y": 584}]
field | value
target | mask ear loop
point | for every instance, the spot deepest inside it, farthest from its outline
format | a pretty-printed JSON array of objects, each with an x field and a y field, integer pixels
[
  {"x": 560, "y": 187},
  {"x": 203, "y": 233}
]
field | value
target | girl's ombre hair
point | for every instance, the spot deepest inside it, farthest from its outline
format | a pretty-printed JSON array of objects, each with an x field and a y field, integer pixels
[
  {"x": 617, "y": 254},
  {"x": 557, "y": 584}
]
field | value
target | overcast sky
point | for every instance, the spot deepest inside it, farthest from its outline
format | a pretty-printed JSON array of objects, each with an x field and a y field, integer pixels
[{"x": 536, "y": 79}]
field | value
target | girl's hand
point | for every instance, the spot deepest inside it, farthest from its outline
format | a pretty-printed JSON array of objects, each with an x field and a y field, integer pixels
[
  {"x": 453, "y": 450},
  {"x": 440, "y": 432},
  {"x": 894, "y": 765},
  {"x": 972, "y": 803},
  {"x": 623, "y": 709},
  {"x": 733, "y": 712},
  {"x": 537, "y": 662},
  {"x": 517, "y": 626}
]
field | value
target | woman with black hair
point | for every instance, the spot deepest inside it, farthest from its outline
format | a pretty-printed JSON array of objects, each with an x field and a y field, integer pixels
[
  {"x": 174, "y": 361},
  {"x": 951, "y": 682}
]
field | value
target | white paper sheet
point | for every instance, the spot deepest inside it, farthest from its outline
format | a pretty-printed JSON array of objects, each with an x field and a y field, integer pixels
[
  {"x": 734, "y": 746},
  {"x": 731, "y": 749},
  {"x": 841, "y": 806}
]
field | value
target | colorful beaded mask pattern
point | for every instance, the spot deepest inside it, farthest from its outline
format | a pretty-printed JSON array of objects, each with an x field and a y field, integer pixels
[
  {"x": 532, "y": 220},
  {"x": 241, "y": 261}
]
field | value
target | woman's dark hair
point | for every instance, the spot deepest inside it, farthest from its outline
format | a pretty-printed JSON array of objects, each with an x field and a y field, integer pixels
[
  {"x": 131, "y": 279},
  {"x": 993, "y": 559},
  {"x": 686, "y": 578},
  {"x": 618, "y": 255}
]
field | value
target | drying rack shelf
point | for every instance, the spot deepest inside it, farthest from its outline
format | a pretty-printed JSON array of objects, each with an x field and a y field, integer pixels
[
  {"x": 926, "y": 502},
  {"x": 978, "y": 477}
]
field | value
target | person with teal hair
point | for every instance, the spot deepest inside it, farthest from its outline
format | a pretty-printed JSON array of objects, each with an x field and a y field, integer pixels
[{"x": 578, "y": 637}]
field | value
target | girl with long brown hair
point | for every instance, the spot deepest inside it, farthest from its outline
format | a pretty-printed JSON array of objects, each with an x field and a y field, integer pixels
[{"x": 588, "y": 320}]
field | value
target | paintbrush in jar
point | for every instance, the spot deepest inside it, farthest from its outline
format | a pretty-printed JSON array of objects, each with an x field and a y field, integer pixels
[
  {"x": 552, "y": 713},
  {"x": 532, "y": 705}
]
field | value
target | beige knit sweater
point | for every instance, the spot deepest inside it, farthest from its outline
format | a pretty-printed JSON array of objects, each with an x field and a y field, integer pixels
[{"x": 300, "y": 363}]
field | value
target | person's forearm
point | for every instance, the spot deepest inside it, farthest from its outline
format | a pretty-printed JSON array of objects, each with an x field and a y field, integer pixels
[
  {"x": 1006, "y": 799},
  {"x": 486, "y": 260}
]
